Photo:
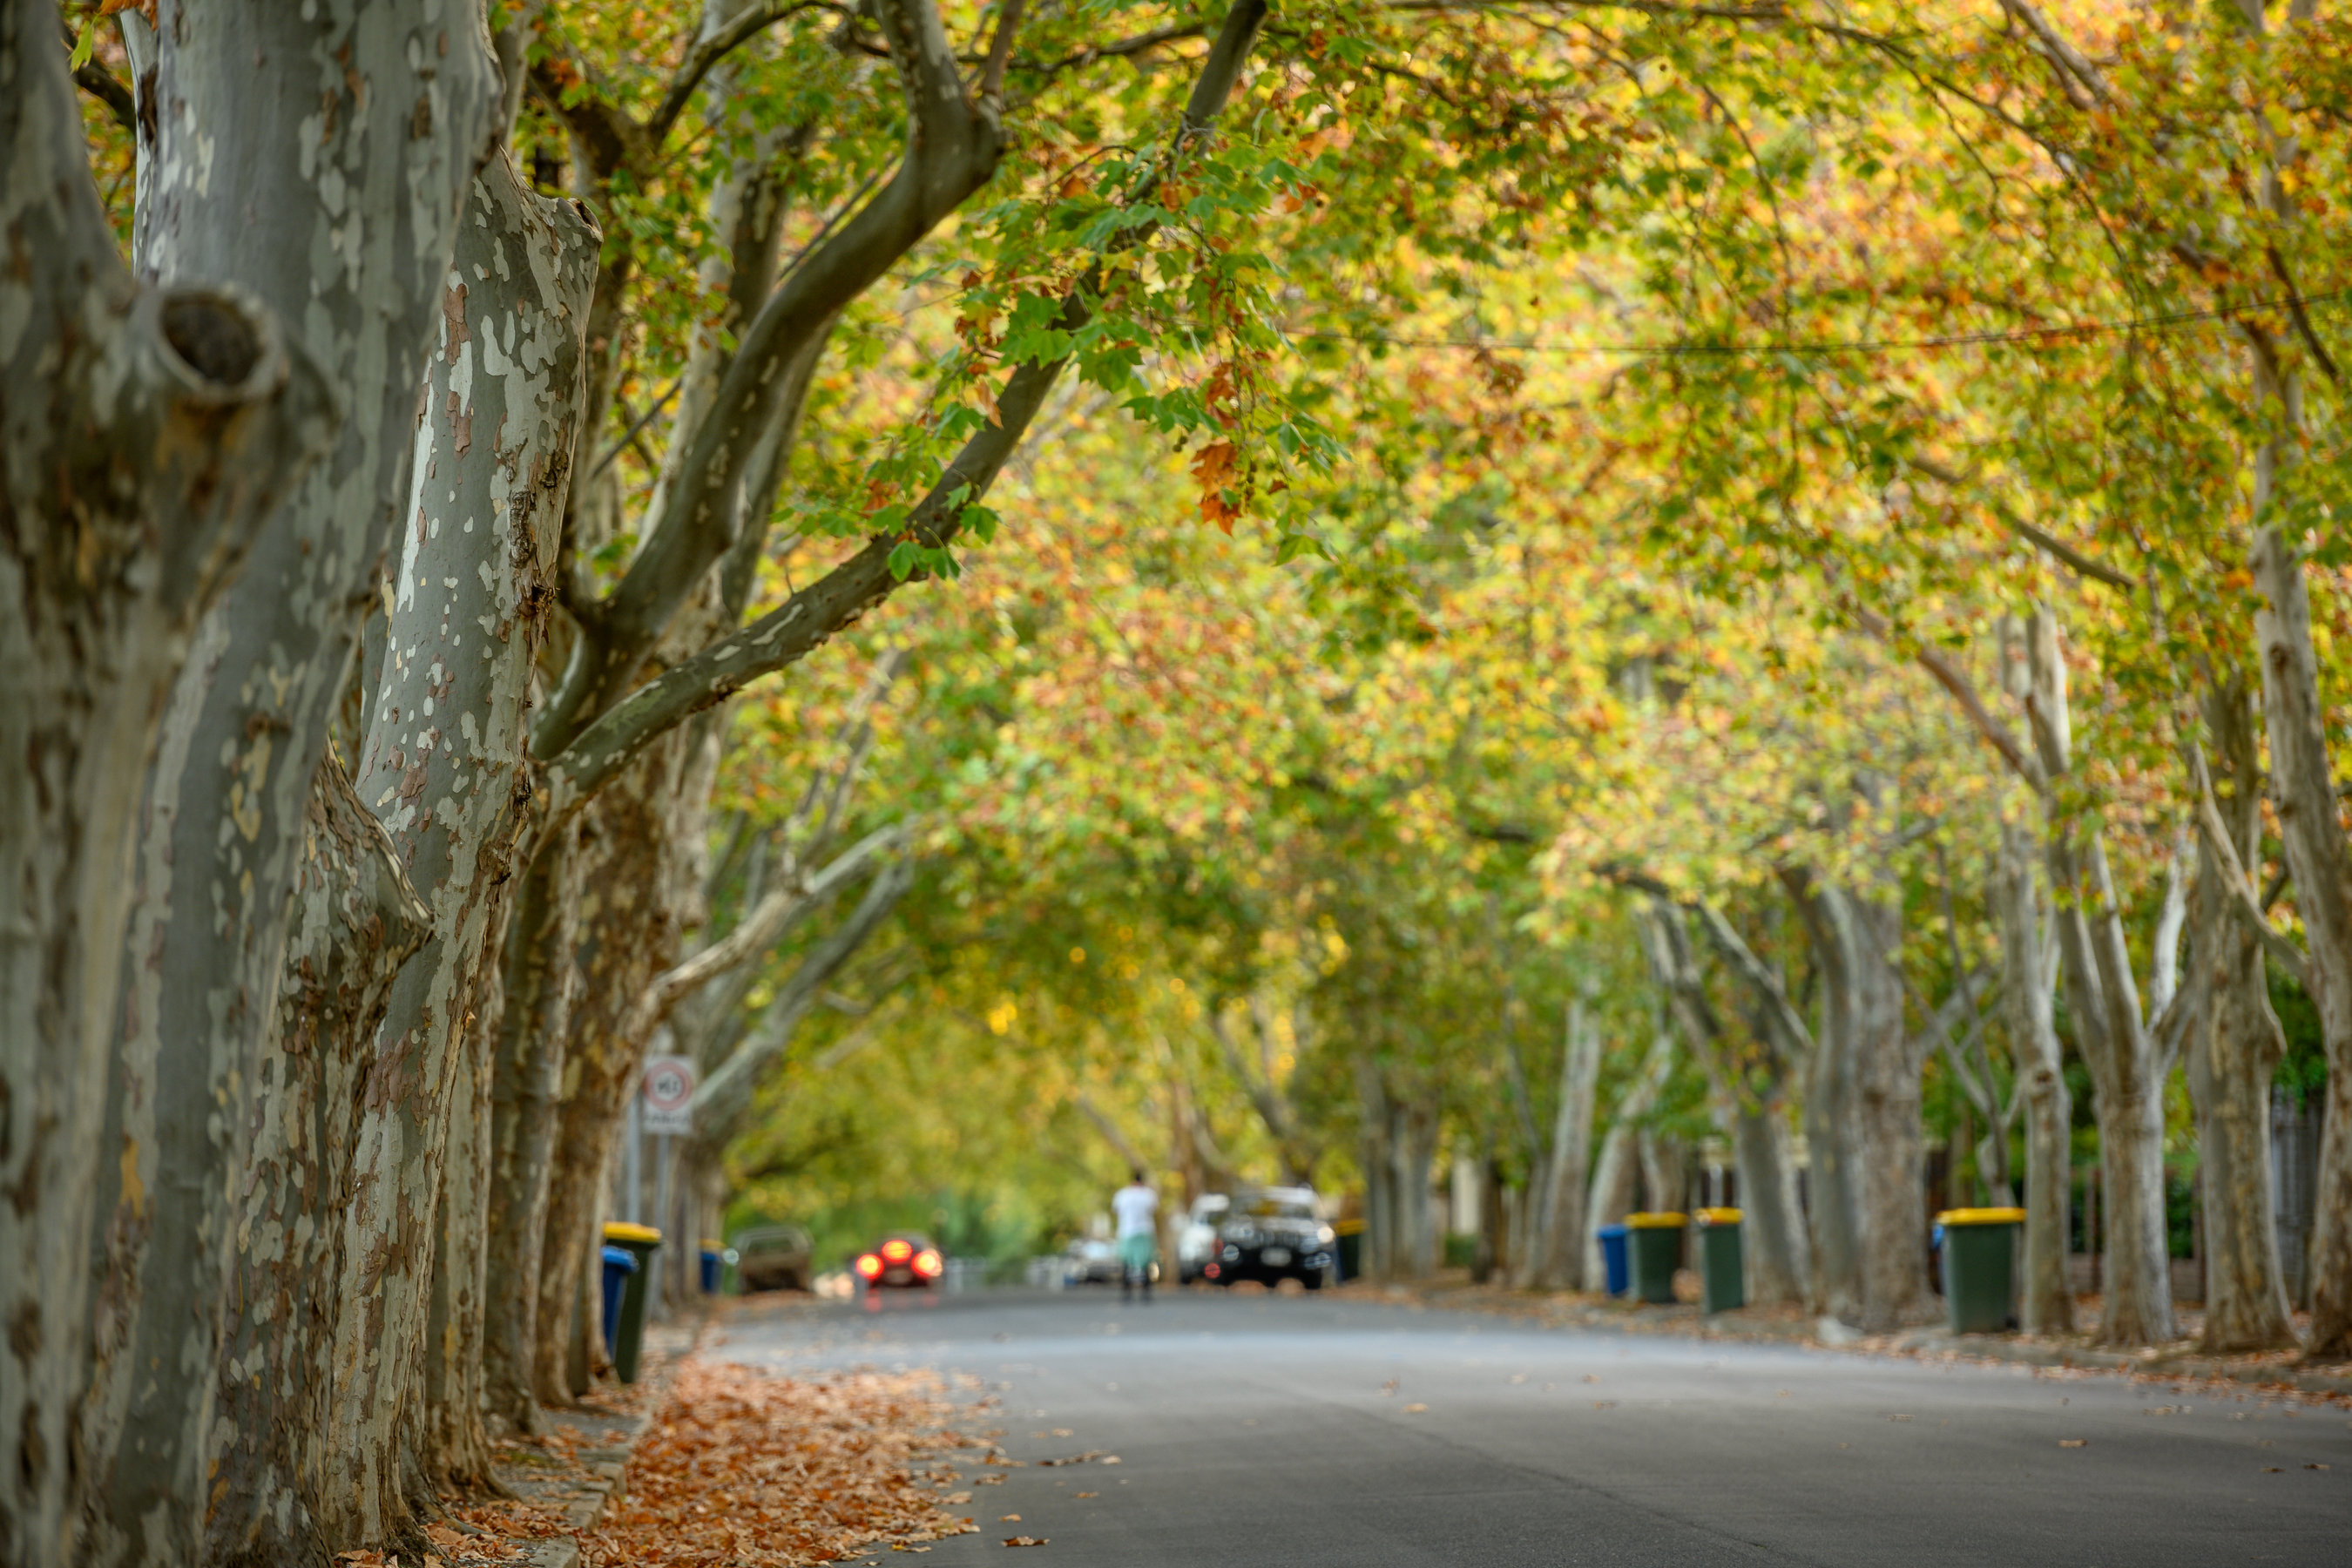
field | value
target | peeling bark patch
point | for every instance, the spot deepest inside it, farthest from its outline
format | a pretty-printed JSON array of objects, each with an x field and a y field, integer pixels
[
  {"x": 461, "y": 427},
  {"x": 453, "y": 317}
]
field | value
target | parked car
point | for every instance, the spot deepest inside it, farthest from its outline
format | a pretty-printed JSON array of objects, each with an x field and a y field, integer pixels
[
  {"x": 774, "y": 1257},
  {"x": 907, "y": 1261},
  {"x": 1270, "y": 1235},
  {"x": 1089, "y": 1262},
  {"x": 1196, "y": 1239}
]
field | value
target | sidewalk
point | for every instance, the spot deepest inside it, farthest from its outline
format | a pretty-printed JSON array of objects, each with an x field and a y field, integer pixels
[{"x": 2275, "y": 1372}]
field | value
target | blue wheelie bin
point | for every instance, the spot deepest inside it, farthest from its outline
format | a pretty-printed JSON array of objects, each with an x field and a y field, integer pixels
[
  {"x": 619, "y": 1264},
  {"x": 1613, "y": 1258}
]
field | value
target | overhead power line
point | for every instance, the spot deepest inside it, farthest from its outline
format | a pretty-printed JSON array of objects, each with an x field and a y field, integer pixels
[{"x": 2056, "y": 335}]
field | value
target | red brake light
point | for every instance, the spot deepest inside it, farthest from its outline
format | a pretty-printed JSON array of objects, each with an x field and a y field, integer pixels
[
  {"x": 897, "y": 1251},
  {"x": 927, "y": 1264},
  {"x": 870, "y": 1266}
]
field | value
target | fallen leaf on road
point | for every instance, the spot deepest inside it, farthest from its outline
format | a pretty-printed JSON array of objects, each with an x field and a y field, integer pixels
[
  {"x": 2270, "y": 1469},
  {"x": 1008, "y": 1519},
  {"x": 2071, "y": 1442},
  {"x": 1110, "y": 1458},
  {"x": 1415, "y": 1409},
  {"x": 957, "y": 1497},
  {"x": 1590, "y": 1378},
  {"x": 2315, "y": 1467},
  {"x": 1075, "y": 1459},
  {"x": 1898, "y": 1419},
  {"x": 1025, "y": 1541},
  {"x": 1604, "y": 1405},
  {"x": 1098, "y": 1494}
]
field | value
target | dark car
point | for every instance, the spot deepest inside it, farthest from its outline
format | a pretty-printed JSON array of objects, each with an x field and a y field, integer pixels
[
  {"x": 907, "y": 1261},
  {"x": 1271, "y": 1234},
  {"x": 773, "y": 1257}
]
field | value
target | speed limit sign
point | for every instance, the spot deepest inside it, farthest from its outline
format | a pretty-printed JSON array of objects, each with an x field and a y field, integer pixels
[{"x": 668, "y": 1090}]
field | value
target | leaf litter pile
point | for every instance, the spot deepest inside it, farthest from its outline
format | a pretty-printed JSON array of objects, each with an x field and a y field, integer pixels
[{"x": 753, "y": 1471}]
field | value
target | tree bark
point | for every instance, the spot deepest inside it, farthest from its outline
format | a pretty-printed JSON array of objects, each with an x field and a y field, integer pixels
[
  {"x": 2102, "y": 997},
  {"x": 1830, "y": 1114},
  {"x": 2234, "y": 1045},
  {"x": 355, "y": 921},
  {"x": 1888, "y": 1062},
  {"x": 146, "y": 438},
  {"x": 319, "y": 156},
  {"x": 1616, "y": 1176},
  {"x": 444, "y": 766},
  {"x": 1557, "y": 1257},
  {"x": 2320, "y": 860},
  {"x": 2047, "y": 1295}
]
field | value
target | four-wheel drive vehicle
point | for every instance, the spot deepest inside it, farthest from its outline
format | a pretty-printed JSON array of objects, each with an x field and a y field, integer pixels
[
  {"x": 907, "y": 1261},
  {"x": 1196, "y": 1240},
  {"x": 1271, "y": 1233},
  {"x": 773, "y": 1257}
]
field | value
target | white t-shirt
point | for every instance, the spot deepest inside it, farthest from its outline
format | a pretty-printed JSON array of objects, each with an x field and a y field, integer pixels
[{"x": 1134, "y": 1206}]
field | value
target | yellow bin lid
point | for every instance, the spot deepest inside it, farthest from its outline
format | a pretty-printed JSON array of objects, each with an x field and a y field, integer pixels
[
  {"x": 622, "y": 1230},
  {"x": 1653, "y": 1222},
  {"x": 1982, "y": 1217},
  {"x": 1718, "y": 1217}
]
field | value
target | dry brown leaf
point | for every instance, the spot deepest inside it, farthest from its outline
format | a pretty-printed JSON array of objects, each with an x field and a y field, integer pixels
[
  {"x": 2071, "y": 1442},
  {"x": 1025, "y": 1541},
  {"x": 1415, "y": 1409}
]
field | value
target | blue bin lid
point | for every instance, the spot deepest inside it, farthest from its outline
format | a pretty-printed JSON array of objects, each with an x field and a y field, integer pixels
[
  {"x": 1611, "y": 1230},
  {"x": 622, "y": 1258}
]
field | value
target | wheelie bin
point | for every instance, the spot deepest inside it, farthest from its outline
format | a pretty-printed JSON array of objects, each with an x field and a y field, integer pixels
[
  {"x": 1979, "y": 1287},
  {"x": 1617, "y": 1279},
  {"x": 619, "y": 1264},
  {"x": 641, "y": 1242},
  {"x": 1655, "y": 1241},
  {"x": 1720, "y": 1260}
]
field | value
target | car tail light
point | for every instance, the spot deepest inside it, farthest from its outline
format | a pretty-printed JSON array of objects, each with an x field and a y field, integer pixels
[
  {"x": 870, "y": 1266},
  {"x": 927, "y": 1264},
  {"x": 897, "y": 1251},
  {"x": 1212, "y": 1270}
]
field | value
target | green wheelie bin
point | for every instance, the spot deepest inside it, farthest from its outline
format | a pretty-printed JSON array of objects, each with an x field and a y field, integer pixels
[
  {"x": 1720, "y": 1260},
  {"x": 1978, "y": 1245},
  {"x": 1655, "y": 1241},
  {"x": 644, "y": 1241}
]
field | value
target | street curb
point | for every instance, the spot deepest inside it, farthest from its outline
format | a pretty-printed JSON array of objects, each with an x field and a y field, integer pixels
[
  {"x": 1586, "y": 1314},
  {"x": 607, "y": 1479}
]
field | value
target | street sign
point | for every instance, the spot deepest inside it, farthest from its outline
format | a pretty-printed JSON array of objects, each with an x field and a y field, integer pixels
[{"x": 669, "y": 1091}]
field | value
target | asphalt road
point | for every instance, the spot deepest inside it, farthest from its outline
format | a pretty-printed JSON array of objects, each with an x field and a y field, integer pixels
[{"x": 1305, "y": 1430}]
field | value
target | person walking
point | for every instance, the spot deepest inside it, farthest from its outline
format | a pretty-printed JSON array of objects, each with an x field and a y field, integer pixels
[{"x": 1136, "y": 1208}]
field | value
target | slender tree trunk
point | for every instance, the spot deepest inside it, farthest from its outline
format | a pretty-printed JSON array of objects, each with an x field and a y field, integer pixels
[
  {"x": 1831, "y": 1109},
  {"x": 1557, "y": 1261},
  {"x": 1374, "y": 1157},
  {"x": 2234, "y": 1045},
  {"x": 1888, "y": 1064},
  {"x": 1772, "y": 1221},
  {"x": 2318, "y": 856},
  {"x": 526, "y": 1090},
  {"x": 2047, "y": 1294},
  {"x": 1616, "y": 1178},
  {"x": 146, "y": 439},
  {"x": 631, "y": 911}
]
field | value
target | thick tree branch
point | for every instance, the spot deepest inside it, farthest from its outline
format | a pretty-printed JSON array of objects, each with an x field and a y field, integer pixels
[
  {"x": 722, "y": 1098},
  {"x": 815, "y": 615},
  {"x": 1786, "y": 1020},
  {"x": 1952, "y": 679},
  {"x": 2245, "y": 901},
  {"x": 704, "y": 55},
  {"x": 952, "y": 148},
  {"x": 2041, "y": 538}
]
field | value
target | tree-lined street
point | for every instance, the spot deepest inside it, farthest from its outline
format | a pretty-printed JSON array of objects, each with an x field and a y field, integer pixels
[{"x": 1288, "y": 1430}]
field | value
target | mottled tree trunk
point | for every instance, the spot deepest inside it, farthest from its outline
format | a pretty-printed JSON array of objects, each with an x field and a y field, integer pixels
[
  {"x": 1830, "y": 1108},
  {"x": 1888, "y": 1062},
  {"x": 1374, "y": 1157},
  {"x": 1556, "y": 1258},
  {"x": 1616, "y": 1175},
  {"x": 2047, "y": 1296},
  {"x": 2317, "y": 853},
  {"x": 2234, "y": 1045},
  {"x": 355, "y": 921},
  {"x": 527, "y": 1086},
  {"x": 146, "y": 439},
  {"x": 443, "y": 765},
  {"x": 630, "y": 911}
]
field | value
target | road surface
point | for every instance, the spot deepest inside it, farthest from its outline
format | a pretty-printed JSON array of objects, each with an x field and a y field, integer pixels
[{"x": 1310, "y": 1431}]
